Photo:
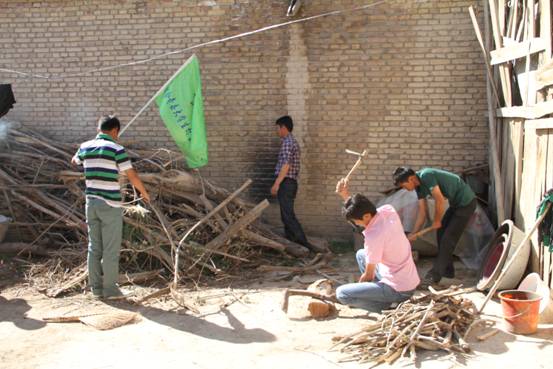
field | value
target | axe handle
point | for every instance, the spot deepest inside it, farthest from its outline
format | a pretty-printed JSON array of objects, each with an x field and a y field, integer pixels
[
  {"x": 423, "y": 232},
  {"x": 357, "y": 163}
]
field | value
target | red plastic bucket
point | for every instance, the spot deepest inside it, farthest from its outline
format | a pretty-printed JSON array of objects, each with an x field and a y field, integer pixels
[{"x": 520, "y": 311}]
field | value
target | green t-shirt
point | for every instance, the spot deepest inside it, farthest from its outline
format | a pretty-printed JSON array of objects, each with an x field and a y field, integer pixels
[{"x": 452, "y": 186}]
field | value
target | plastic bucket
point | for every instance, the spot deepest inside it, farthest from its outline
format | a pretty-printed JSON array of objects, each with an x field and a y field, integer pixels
[
  {"x": 520, "y": 311},
  {"x": 533, "y": 283}
]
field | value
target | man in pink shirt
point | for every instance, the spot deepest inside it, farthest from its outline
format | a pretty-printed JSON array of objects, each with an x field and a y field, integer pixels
[{"x": 388, "y": 272}]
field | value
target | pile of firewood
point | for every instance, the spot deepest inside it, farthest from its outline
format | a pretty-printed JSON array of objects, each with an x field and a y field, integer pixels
[
  {"x": 437, "y": 321},
  {"x": 185, "y": 231}
]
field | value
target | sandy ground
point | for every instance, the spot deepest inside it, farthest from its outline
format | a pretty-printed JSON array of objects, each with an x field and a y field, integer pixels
[{"x": 235, "y": 328}]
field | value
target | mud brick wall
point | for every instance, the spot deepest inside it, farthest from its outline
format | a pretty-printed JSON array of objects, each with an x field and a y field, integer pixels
[{"x": 403, "y": 79}]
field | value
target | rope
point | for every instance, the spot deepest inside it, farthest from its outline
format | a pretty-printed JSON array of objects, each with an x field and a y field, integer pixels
[{"x": 54, "y": 77}]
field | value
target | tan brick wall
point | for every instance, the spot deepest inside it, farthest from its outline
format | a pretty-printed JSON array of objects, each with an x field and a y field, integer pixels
[{"x": 403, "y": 79}]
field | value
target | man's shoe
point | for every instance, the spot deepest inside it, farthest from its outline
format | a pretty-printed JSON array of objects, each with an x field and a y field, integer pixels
[
  {"x": 431, "y": 277},
  {"x": 115, "y": 294},
  {"x": 450, "y": 272},
  {"x": 97, "y": 294}
]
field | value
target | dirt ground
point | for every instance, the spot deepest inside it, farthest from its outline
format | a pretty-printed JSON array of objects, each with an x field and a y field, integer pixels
[{"x": 238, "y": 327}]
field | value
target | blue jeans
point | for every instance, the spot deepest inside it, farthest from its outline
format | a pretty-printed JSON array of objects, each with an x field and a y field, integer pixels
[
  {"x": 105, "y": 231},
  {"x": 373, "y": 296}
]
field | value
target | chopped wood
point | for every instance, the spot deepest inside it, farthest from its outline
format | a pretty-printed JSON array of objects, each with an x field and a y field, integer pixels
[{"x": 435, "y": 321}]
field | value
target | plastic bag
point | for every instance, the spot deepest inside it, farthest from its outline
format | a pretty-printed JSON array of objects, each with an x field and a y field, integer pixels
[{"x": 406, "y": 205}]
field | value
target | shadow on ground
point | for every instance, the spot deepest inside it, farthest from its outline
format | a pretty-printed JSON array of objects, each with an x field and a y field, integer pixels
[
  {"x": 14, "y": 311},
  {"x": 236, "y": 333}
]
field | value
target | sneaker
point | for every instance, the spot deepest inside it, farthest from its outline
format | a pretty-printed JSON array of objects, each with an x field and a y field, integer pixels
[
  {"x": 97, "y": 294},
  {"x": 115, "y": 294}
]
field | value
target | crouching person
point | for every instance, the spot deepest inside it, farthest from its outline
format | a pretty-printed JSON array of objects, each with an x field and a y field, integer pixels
[{"x": 388, "y": 272}]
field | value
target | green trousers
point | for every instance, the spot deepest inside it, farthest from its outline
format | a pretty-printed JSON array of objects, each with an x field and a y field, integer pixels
[{"x": 105, "y": 231}]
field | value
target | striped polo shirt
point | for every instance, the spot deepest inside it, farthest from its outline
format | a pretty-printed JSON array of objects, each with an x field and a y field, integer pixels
[{"x": 103, "y": 159}]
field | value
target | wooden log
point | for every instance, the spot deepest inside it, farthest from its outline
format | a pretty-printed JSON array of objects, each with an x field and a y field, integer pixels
[
  {"x": 316, "y": 295},
  {"x": 290, "y": 248},
  {"x": 19, "y": 248},
  {"x": 243, "y": 222}
]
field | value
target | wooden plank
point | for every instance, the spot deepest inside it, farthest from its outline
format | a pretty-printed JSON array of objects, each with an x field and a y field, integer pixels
[
  {"x": 504, "y": 74},
  {"x": 548, "y": 185},
  {"x": 518, "y": 50},
  {"x": 530, "y": 97},
  {"x": 517, "y": 140},
  {"x": 512, "y": 22},
  {"x": 527, "y": 112},
  {"x": 507, "y": 169},
  {"x": 494, "y": 155},
  {"x": 541, "y": 166},
  {"x": 527, "y": 200},
  {"x": 544, "y": 123},
  {"x": 544, "y": 75},
  {"x": 545, "y": 27},
  {"x": 501, "y": 16},
  {"x": 484, "y": 50}
]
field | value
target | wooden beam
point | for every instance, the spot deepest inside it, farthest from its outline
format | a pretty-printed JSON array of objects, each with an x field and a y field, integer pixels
[
  {"x": 235, "y": 228},
  {"x": 544, "y": 75},
  {"x": 511, "y": 22},
  {"x": 527, "y": 112},
  {"x": 504, "y": 73},
  {"x": 545, "y": 123},
  {"x": 517, "y": 141},
  {"x": 530, "y": 88},
  {"x": 507, "y": 169},
  {"x": 518, "y": 50},
  {"x": 545, "y": 27},
  {"x": 501, "y": 16},
  {"x": 548, "y": 184},
  {"x": 484, "y": 53},
  {"x": 494, "y": 157}
]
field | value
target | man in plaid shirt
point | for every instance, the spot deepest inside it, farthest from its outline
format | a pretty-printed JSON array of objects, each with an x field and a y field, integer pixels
[{"x": 286, "y": 184}]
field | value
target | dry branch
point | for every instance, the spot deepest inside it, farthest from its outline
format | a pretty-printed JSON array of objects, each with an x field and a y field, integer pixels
[
  {"x": 436, "y": 321},
  {"x": 45, "y": 197}
]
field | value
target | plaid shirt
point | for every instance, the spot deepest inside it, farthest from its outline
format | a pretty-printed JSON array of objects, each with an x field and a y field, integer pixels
[{"x": 289, "y": 153}]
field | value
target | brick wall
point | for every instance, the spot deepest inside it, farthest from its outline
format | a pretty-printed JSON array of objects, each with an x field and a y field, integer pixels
[{"x": 403, "y": 79}]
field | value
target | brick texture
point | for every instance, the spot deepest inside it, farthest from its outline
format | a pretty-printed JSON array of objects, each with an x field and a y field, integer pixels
[{"x": 404, "y": 80}]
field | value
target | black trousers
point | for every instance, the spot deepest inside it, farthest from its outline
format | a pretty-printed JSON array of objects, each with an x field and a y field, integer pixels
[
  {"x": 286, "y": 196},
  {"x": 454, "y": 222}
]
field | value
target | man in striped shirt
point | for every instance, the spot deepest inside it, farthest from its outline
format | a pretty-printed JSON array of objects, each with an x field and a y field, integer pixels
[{"x": 103, "y": 160}]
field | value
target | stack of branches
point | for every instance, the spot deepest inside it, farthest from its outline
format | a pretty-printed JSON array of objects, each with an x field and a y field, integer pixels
[
  {"x": 186, "y": 230},
  {"x": 436, "y": 321}
]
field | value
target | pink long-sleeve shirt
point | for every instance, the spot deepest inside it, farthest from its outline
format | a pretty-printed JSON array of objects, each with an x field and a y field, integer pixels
[{"x": 387, "y": 246}]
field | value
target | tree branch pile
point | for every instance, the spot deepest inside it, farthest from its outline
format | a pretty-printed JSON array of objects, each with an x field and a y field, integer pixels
[
  {"x": 191, "y": 226},
  {"x": 437, "y": 321}
]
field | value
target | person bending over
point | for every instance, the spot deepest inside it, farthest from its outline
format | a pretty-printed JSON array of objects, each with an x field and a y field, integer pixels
[{"x": 449, "y": 224}]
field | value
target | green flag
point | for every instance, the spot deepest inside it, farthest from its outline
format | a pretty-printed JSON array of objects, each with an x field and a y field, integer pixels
[{"x": 182, "y": 110}]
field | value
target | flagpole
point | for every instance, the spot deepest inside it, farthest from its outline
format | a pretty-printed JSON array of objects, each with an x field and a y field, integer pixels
[{"x": 157, "y": 94}]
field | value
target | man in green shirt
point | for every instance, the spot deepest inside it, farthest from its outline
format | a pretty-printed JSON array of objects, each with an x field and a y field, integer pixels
[{"x": 450, "y": 224}]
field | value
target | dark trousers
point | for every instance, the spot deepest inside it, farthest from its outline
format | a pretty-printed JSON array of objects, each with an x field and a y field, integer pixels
[
  {"x": 454, "y": 222},
  {"x": 286, "y": 196}
]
